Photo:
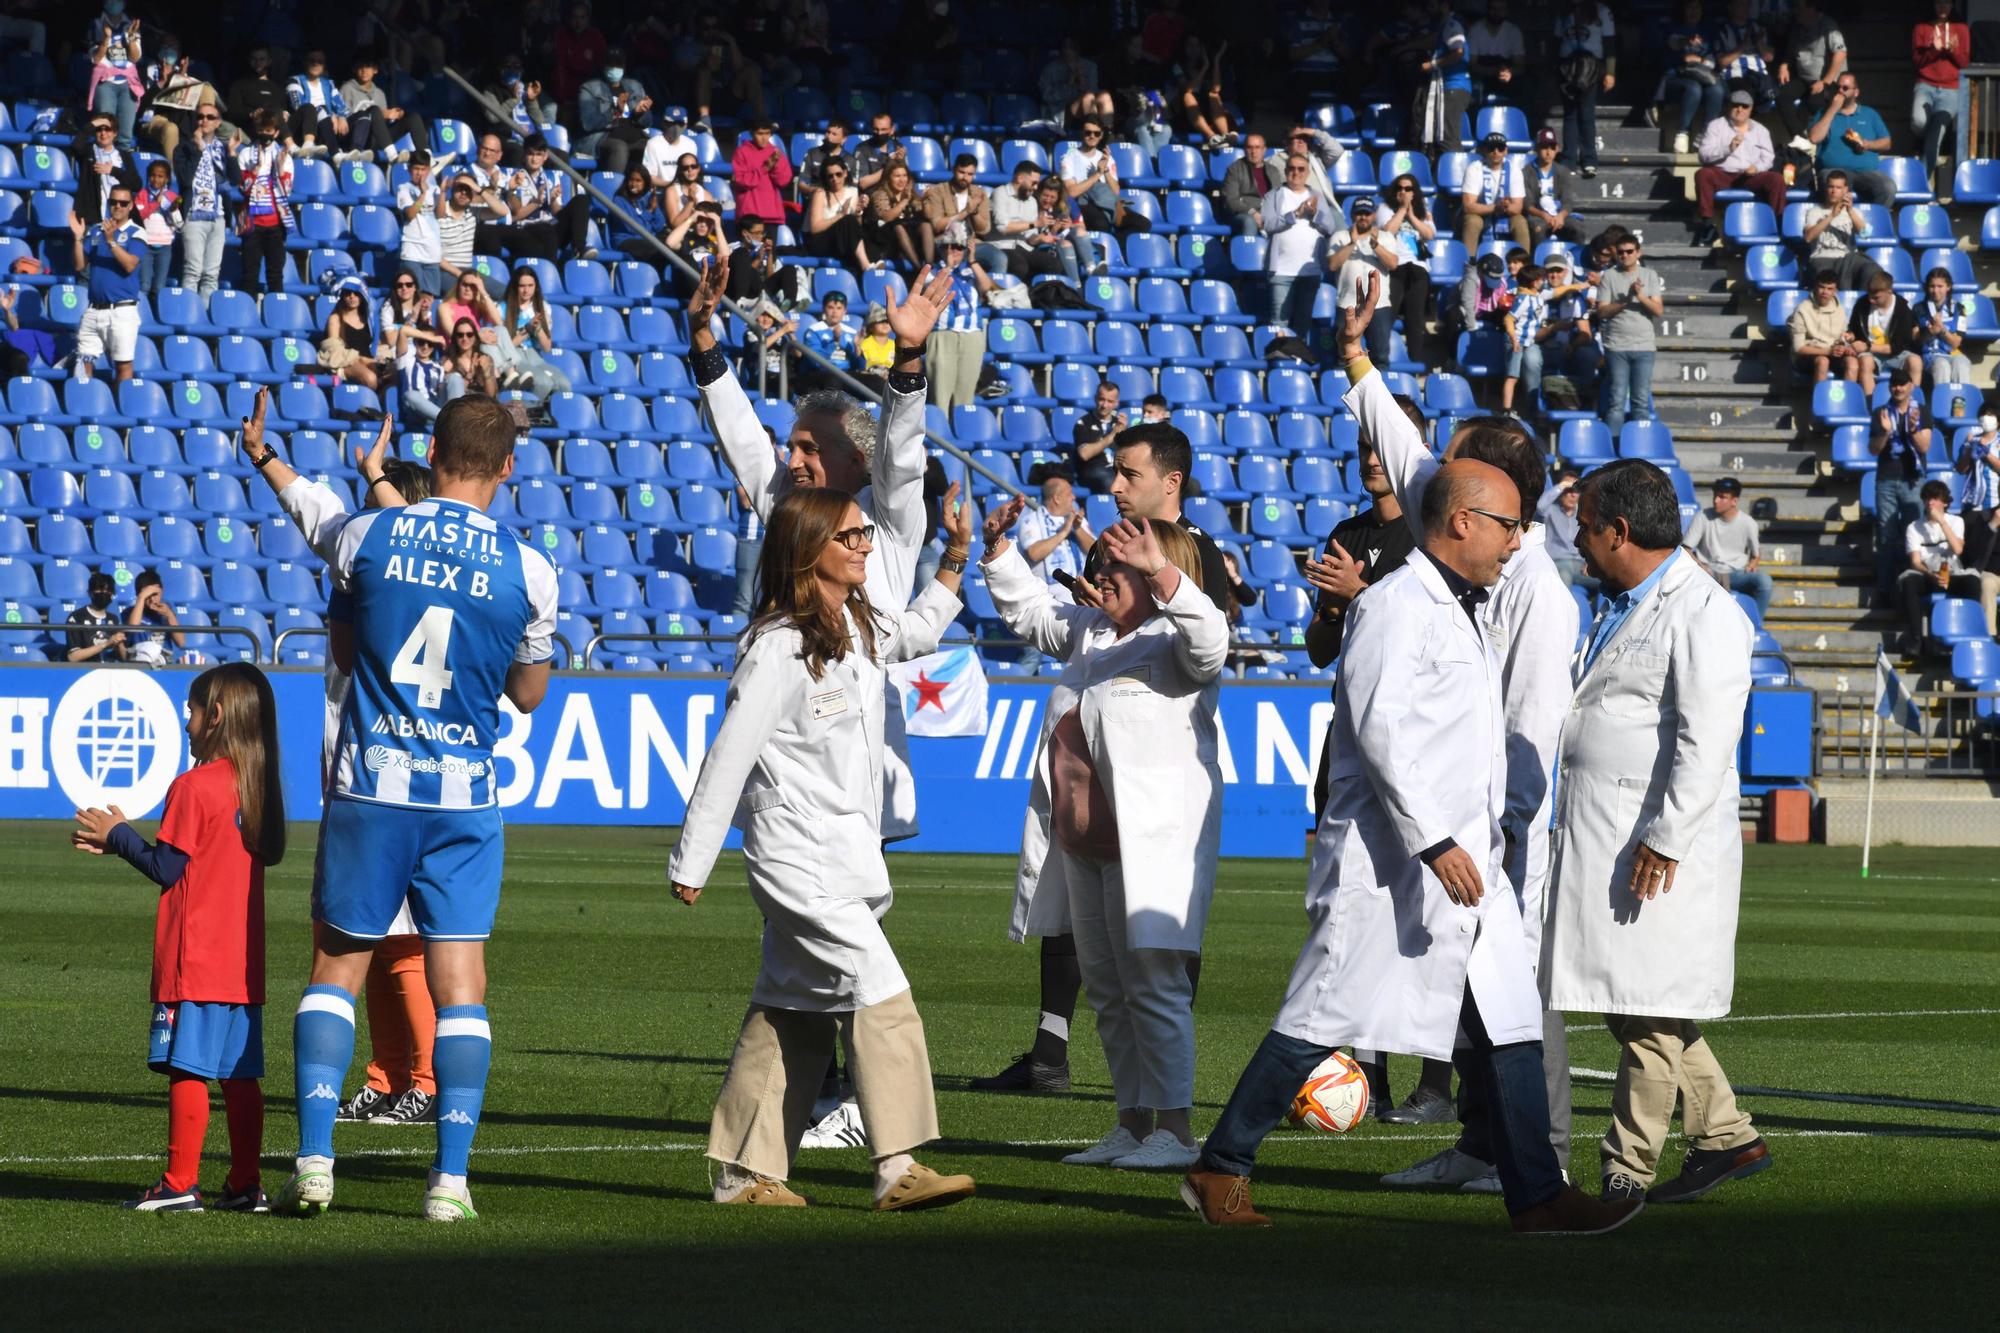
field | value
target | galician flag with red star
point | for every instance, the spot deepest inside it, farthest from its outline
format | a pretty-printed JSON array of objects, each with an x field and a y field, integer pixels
[{"x": 943, "y": 694}]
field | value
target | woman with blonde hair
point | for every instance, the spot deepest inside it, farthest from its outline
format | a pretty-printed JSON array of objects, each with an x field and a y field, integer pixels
[
  {"x": 797, "y": 765},
  {"x": 1125, "y": 812}
]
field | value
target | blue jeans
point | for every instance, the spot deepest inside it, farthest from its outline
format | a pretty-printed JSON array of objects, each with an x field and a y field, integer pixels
[
  {"x": 1247, "y": 224},
  {"x": 1629, "y": 387},
  {"x": 1525, "y": 365},
  {"x": 156, "y": 267},
  {"x": 1698, "y": 99},
  {"x": 747, "y": 555},
  {"x": 1896, "y": 507},
  {"x": 1290, "y": 301},
  {"x": 1507, "y": 1081},
  {"x": 116, "y": 100},
  {"x": 426, "y": 409},
  {"x": 1755, "y": 582},
  {"x": 1580, "y": 129},
  {"x": 1933, "y": 111}
]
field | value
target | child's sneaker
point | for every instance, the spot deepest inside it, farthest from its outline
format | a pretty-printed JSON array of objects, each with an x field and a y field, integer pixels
[
  {"x": 251, "y": 1200},
  {"x": 310, "y": 1190},
  {"x": 163, "y": 1198},
  {"x": 365, "y": 1105},
  {"x": 448, "y": 1199}
]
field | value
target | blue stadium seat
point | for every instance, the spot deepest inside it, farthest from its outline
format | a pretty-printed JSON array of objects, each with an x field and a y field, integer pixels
[
  {"x": 1585, "y": 443},
  {"x": 1957, "y": 406},
  {"x": 1188, "y": 211},
  {"x": 1750, "y": 224},
  {"x": 1771, "y": 267},
  {"x": 1850, "y": 451},
  {"x": 1838, "y": 403},
  {"x": 1213, "y": 301},
  {"x": 1911, "y": 178},
  {"x": 1958, "y": 620},
  {"x": 1650, "y": 440},
  {"x": 60, "y": 534}
]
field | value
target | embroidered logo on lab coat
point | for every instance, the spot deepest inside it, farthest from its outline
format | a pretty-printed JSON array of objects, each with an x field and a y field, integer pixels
[{"x": 830, "y": 704}]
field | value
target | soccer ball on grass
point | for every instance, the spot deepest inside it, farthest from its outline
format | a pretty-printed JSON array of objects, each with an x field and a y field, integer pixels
[{"x": 1334, "y": 1098}]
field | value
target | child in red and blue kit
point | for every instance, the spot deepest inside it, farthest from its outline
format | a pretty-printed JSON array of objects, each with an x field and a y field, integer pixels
[{"x": 224, "y": 823}]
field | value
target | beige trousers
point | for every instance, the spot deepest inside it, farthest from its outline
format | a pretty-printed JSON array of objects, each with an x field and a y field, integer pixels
[
  {"x": 955, "y": 360},
  {"x": 1661, "y": 1058},
  {"x": 781, "y": 1057}
]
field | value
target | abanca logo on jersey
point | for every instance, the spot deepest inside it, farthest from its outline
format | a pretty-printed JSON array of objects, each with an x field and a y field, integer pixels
[{"x": 423, "y": 729}]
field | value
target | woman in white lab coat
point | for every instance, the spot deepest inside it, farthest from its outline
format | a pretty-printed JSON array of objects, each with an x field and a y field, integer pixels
[
  {"x": 1130, "y": 813},
  {"x": 797, "y": 765}
]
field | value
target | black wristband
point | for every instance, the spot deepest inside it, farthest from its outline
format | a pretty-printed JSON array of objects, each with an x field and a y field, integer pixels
[
  {"x": 709, "y": 365},
  {"x": 907, "y": 381},
  {"x": 375, "y": 480},
  {"x": 265, "y": 459}
]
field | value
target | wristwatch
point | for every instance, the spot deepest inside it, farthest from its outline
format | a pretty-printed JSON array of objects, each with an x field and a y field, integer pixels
[{"x": 951, "y": 565}]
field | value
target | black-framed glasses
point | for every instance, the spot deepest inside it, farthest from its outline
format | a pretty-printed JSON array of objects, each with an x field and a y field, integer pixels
[
  {"x": 120, "y": 203},
  {"x": 104, "y": 129},
  {"x": 404, "y": 282},
  {"x": 205, "y": 116},
  {"x": 463, "y": 337},
  {"x": 1510, "y": 524},
  {"x": 854, "y": 538},
  {"x": 1092, "y": 134}
]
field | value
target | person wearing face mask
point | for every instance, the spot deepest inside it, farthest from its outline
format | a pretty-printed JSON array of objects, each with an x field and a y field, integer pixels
[
  {"x": 172, "y": 94},
  {"x": 95, "y": 635},
  {"x": 527, "y": 110},
  {"x": 116, "y": 80},
  {"x": 613, "y": 112},
  {"x": 264, "y": 174}
]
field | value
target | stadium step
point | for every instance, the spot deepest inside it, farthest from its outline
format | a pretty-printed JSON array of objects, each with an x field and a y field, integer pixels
[
  {"x": 1697, "y": 361},
  {"x": 1719, "y": 407}
]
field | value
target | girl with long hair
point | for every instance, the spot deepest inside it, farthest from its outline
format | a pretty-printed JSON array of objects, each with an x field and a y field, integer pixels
[
  {"x": 527, "y": 327},
  {"x": 224, "y": 823},
  {"x": 797, "y": 765},
  {"x": 1409, "y": 228}
]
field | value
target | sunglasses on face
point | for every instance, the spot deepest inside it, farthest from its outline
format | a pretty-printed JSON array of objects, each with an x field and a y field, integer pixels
[
  {"x": 102, "y": 129},
  {"x": 1628, "y": 249},
  {"x": 121, "y": 203},
  {"x": 405, "y": 284},
  {"x": 1295, "y": 171},
  {"x": 206, "y": 117},
  {"x": 1093, "y": 134},
  {"x": 852, "y": 538},
  {"x": 463, "y": 337}
]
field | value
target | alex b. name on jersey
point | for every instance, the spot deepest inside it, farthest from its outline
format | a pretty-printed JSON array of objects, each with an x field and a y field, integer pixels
[{"x": 463, "y": 543}]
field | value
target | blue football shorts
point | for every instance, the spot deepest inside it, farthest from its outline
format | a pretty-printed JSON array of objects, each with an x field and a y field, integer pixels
[
  {"x": 447, "y": 862},
  {"x": 207, "y": 1040}
]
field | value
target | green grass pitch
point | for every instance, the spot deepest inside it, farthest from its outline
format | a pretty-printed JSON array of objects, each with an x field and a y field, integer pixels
[{"x": 614, "y": 1009}]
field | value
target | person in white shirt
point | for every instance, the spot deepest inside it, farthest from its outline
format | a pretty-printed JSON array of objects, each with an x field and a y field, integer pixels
[
  {"x": 416, "y": 209},
  {"x": 1496, "y": 50},
  {"x": 1054, "y": 540},
  {"x": 665, "y": 149},
  {"x": 1494, "y": 194},
  {"x": 1935, "y": 547},
  {"x": 1297, "y": 222},
  {"x": 1357, "y": 252}
]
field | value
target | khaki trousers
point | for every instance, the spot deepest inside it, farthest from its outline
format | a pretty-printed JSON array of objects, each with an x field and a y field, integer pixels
[
  {"x": 781, "y": 1056},
  {"x": 1661, "y": 1058},
  {"x": 955, "y": 359}
]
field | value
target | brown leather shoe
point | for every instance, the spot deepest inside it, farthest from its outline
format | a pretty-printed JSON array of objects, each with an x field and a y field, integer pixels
[
  {"x": 1221, "y": 1200},
  {"x": 921, "y": 1187},
  {"x": 766, "y": 1193},
  {"x": 1574, "y": 1213}
]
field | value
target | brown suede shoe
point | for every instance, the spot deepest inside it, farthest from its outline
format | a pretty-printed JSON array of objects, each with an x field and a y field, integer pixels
[
  {"x": 921, "y": 1187},
  {"x": 1221, "y": 1200},
  {"x": 767, "y": 1194},
  {"x": 1574, "y": 1213}
]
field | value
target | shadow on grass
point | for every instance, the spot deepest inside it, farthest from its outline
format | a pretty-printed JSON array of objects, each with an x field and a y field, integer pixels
[{"x": 635, "y": 1057}]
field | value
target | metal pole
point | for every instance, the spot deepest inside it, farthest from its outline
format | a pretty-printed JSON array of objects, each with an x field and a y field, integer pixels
[
  {"x": 1868, "y": 822},
  {"x": 846, "y": 381}
]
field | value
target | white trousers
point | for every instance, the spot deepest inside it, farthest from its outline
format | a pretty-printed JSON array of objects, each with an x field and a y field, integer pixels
[{"x": 1143, "y": 998}]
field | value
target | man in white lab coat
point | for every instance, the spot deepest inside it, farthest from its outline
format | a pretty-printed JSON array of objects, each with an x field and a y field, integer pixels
[
  {"x": 1531, "y": 621},
  {"x": 1648, "y": 853},
  {"x": 1406, "y": 945}
]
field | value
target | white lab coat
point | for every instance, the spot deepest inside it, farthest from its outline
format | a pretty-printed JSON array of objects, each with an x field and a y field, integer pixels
[
  {"x": 893, "y": 501},
  {"x": 1648, "y": 754},
  {"x": 1531, "y": 620},
  {"x": 1148, "y": 702},
  {"x": 797, "y": 765},
  {"x": 1418, "y": 756}
]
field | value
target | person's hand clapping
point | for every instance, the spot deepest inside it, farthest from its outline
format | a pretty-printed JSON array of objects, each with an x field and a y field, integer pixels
[
  {"x": 1000, "y": 522},
  {"x": 1336, "y": 573},
  {"x": 955, "y": 520},
  {"x": 94, "y": 827}
]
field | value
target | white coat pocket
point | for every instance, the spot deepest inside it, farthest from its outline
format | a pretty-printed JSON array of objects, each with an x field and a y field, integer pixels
[{"x": 1634, "y": 685}]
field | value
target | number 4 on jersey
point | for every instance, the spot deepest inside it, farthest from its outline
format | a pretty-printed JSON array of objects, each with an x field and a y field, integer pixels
[{"x": 421, "y": 659}]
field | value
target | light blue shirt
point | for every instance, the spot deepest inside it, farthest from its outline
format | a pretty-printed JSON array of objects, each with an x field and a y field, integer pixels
[{"x": 1619, "y": 609}]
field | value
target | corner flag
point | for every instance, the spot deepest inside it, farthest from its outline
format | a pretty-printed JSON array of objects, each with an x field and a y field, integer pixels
[
  {"x": 943, "y": 694},
  {"x": 1891, "y": 699}
]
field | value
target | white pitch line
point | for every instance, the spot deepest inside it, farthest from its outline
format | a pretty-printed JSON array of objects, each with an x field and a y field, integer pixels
[{"x": 1802, "y": 1018}]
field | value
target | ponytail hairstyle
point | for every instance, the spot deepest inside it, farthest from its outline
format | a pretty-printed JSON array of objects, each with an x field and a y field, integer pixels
[
  {"x": 788, "y": 592},
  {"x": 246, "y": 734}
]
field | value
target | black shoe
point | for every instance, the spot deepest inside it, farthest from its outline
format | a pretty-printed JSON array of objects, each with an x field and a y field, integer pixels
[
  {"x": 365, "y": 1105},
  {"x": 1422, "y": 1107},
  {"x": 1590, "y": 172},
  {"x": 1705, "y": 237},
  {"x": 1619, "y": 1187},
  {"x": 251, "y": 1200},
  {"x": 1026, "y": 1074},
  {"x": 414, "y": 1107},
  {"x": 1703, "y": 1169}
]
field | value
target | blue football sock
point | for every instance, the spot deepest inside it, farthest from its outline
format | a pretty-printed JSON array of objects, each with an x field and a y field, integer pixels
[
  {"x": 322, "y": 1048},
  {"x": 460, "y": 1059}
]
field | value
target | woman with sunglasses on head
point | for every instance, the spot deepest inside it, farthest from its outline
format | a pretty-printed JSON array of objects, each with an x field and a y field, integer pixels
[
  {"x": 900, "y": 230},
  {"x": 470, "y": 302},
  {"x": 797, "y": 765},
  {"x": 1409, "y": 228},
  {"x": 833, "y": 218}
]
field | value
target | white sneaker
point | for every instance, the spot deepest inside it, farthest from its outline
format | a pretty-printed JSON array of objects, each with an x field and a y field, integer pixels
[
  {"x": 309, "y": 1191},
  {"x": 1680, "y": 143},
  {"x": 1160, "y": 1152},
  {"x": 448, "y": 1199},
  {"x": 842, "y": 1129},
  {"x": 1120, "y": 1142},
  {"x": 1450, "y": 1167}
]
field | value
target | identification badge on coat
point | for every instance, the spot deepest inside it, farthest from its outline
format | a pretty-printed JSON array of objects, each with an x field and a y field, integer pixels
[
  {"x": 832, "y": 703},
  {"x": 1132, "y": 683}
]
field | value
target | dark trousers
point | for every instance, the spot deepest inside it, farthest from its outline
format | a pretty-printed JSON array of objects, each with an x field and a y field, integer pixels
[
  {"x": 263, "y": 246},
  {"x": 1101, "y": 219},
  {"x": 1799, "y": 106},
  {"x": 1410, "y": 300},
  {"x": 1508, "y": 1081},
  {"x": 547, "y": 240}
]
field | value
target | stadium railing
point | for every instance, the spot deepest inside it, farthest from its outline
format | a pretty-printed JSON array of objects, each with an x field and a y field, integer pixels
[
  {"x": 1960, "y": 739},
  {"x": 56, "y": 629}
]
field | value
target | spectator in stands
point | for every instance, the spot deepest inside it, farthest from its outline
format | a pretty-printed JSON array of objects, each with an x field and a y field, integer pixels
[
  {"x": 698, "y": 239},
  {"x": 1886, "y": 333},
  {"x": 1069, "y": 87},
  {"x": 1934, "y": 545},
  {"x": 832, "y": 147},
  {"x": 347, "y": 346},
  {"x": 405, "y": 305},
  {"x": 1410, "y": 228},
  {"x": 467, "y": 360},
  {"x": 470, "y": 300},
  {"x": 749, "y": 547},
  {"x": 422, "y": 251},
  {"x": 152, "y": 627},
  {"x": 94, "y": 635},
  {"x": 830, "y": 336},
  {"x": 207, "y": 184},
  {"x": 684, "y": 191},
  {"x": 1556, "y": 512},
  {"x": 16, "y": 359},
  {"x": 1693, "y": 80},
  {"x": 172, "y": 95},
  {"x": 258, "y": 90},
  {"x": 377, "y": 123},
  {"x": 524, "y": 109},
  {"x": 1979, "y": 510},
  {"x": 319, "y": 123},
  {"x": 1550, "y": 197},
  {"x": 421, "y": 375},
  {"x": 1059, "y": 234},
  {"x": 1569, "y": 347},
  {"x": 1319, "y": 53},
  {"x": 101, "y": 167},
  {"x": 1297, "y": 221},
  {"x": 116, "y": 83},
  {"x": 612, "y": 110},
  {"x": 1153, "y": 411},
  {"x": 1196, "y": 100},
  {"x": 1247, "y": 181},
  {"x": 1852, "y": 138},
  {"x": 1358, "y": 251},
  {"x": 1090, "y": 177},
  {"x": 491, "y": 185},
  {"x": 833, "y": 217},
  {"x": 1586, "y": 68},
  {"x": 880, "y": 150},
  {"x": 756, "y": 270},
  {"x": 1723, "y": 540},
  {"x": 1900, "y": 438},
  {"x": 722, "y": 66},
  {"x": 1493, "y": 195},
  {"x": 760, "y": 172},
  {"x": 1835, "y": 231},
  {"x": 1446, "y": 90},
  {"x": 1054, "y": 539},
  {"x": 1495, "y": 51},
  {"x": 1735, "y": 154},
  {"x": 1090, "y": 441},
  {"x": 1321, "y": 150},
  {"x": 1940, "y": 49},
  {"x": 1814, "y": 55},
  {"x": 877, "y": 347},
  {"x": 158, "y": 210},
  {"x": 548, "y": 219},
  {"x": 580, "y": 51},
  {"x": 767, "y": 345},
  {"x": 896, "y": 218},
  {"x": 458, "y": 232},
  {"x": 665, "y": 150},
  {"x": 960, "y": 207},
  {"x": 1526, "y": 324},
  {"x": 1630, "y": 298},
  {"x": 1941, "y": 318},
  {"x": 527, "y": 326},
  {"x": 1818, "y": 329},
  {"x": 108, "y": 253},
  {"x": 1484, "y": 294},
  {"x": 957, "y": 348}
]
